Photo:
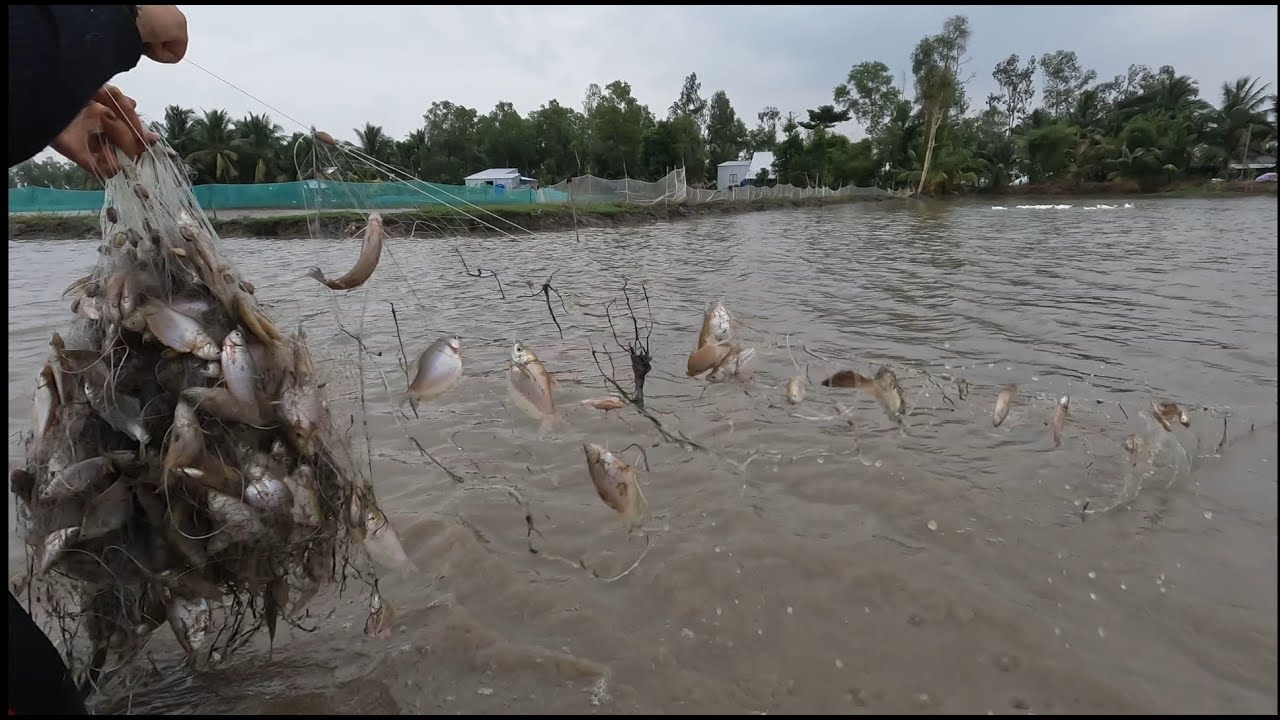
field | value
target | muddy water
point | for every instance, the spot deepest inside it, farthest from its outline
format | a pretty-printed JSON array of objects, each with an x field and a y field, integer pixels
[{"x": 800, "y": 563}]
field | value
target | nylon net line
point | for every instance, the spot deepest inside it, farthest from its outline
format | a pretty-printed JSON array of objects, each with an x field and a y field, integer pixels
[{"x": 185, "y": 467}]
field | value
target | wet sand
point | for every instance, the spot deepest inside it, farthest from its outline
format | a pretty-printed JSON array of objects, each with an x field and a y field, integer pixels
[{"x": 800, "y": 565}]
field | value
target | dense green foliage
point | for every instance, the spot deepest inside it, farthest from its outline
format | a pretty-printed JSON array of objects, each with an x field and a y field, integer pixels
[{"x": 1052, "y": 122}]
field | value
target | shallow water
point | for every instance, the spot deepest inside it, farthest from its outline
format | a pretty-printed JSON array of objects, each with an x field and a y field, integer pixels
[{"x": 798, "y": 564}]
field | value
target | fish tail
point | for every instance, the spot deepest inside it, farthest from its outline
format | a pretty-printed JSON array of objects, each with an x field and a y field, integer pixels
[{"x": 316, "y": 274}]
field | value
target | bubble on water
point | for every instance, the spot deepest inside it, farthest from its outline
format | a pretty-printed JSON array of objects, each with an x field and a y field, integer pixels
[
  {"x": 878, "y": 463},
  {"x": 1123, "y": 586},
  {"x": 1035, "y": 379},
  {"x": 1093, "y": 575},
  {"x": 790, "y": 610},
  {"x": 1093, "y": 596},
  {"x": 820, "y": 461},
  {"x": 1050, "y": 580},
  {"x": 1102, "y": 632},
  {"x": 1057, "y": 631},
  {"x": 719, "y": 612},
  {"x": 484, "y": 691},
  {"x": 686, "y": 633},
  {"x": 759, "y": 631},
  {"x": 716, "y": 548},
  {"x": 1163, "y": 590},
  {"x": 839, "y": 664},
  {"x": 866, "y": 609},
  {"x": 932, "y": 525}
]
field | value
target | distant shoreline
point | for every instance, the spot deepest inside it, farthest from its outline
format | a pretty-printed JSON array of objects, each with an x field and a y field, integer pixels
[{"x": 434, "y": 222}]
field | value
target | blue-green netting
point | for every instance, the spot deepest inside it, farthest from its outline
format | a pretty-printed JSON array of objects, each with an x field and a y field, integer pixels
[{"x": 303, "y": 195}]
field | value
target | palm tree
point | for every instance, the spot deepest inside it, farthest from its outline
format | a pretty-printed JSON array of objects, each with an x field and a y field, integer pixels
[
  {"x": 1242, "y": 118},
  {"x": 177, "y": 128},
  {"x": 259, "y": 138},
  {"x": 216, "y": 157},
  {"x": 374, "y": 142}
]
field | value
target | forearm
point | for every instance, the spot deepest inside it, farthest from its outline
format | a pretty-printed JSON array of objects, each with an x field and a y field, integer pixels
[{"x": 59, "y": 56}]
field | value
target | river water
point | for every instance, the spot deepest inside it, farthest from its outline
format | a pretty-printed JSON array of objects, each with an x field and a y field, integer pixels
[{"x": 799, "y": 563}]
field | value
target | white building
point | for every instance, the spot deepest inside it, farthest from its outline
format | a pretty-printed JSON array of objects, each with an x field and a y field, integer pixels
[
  {"x": 505, "y": 178},
  {"x": 731, "y": 173}
]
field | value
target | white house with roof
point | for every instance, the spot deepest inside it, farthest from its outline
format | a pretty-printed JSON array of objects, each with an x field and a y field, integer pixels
[
  {"x": 505, "y": 178},
  {"x": 732, "y": 173}
]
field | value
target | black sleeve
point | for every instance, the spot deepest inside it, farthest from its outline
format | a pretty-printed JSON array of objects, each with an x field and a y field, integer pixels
[
  {"x": 59, "y": 55},
  {"x": 39, "y": 683}
]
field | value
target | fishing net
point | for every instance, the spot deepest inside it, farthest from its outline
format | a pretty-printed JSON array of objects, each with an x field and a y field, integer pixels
[{"x": 184, "y": 467}]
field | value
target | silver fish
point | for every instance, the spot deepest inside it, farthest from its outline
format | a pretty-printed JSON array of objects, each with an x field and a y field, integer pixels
[
  {"x": 191, "y": 621},
  {"x": 107, "y": 512},
  {"x": 370, "y": 253},
  {"x": 219, "y": 403},
  {"x": 606, "y": 403},
  {"x": 44, "y": 405},
  {"x": 1060, "y": 419},
  {"x": 1003, "y": 401},
  {"x": 615, "y": 482},
  {"x": 529, "y": 384},
  {"x": 122, "y": 412},
  {"x": 191, "y": 307},
  {"x": 890, "y": 394},
  {"x": 186, "y": 440},
  {"x": 717, "y": 325},
  {"x": 439, "y": 370},
  {"x": 306, "y": 508},
  {"x": 736, "y": 366},
  {"x": 54, "y": 546},
  {"x": 795, "y": 390},
  {"x": 238, "y": 368},
  {"x": 75, "y": 479},
  {"x": 238, "y": 521},
  {"x": 304, "y": 412},
  {"x": 180, "y": 332},
  {"x": 266, "y": 489},
  {"x": 381, "y": 616},
  {"x": 383, "y": 543}
]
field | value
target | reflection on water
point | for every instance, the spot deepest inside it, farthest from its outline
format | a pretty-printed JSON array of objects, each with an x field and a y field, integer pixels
[{"x": 800, "y": 565}]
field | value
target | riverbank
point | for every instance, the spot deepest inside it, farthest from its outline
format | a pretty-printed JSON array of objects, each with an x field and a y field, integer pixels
[{"x": 440, "y": 221}]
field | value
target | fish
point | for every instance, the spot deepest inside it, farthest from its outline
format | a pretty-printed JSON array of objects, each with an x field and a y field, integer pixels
[
  {"x": 439, "y": 370},
  {"x": 266, "y": 489},
  {"x": 383, "y": 543},
  {"x": 1166, "y": 412},
  {"x": 44, "y": 405},
  {"x": 122, "y": 412},
  {"x": 54, "y": 546},
  {"x": 529, "y": 384},
  {"x": 76, "y": 479},
  {"x": 717, "y": 325},
  {"x": 22, "y": 483},
  {"x": 737, "y": 365},
  {"x": 306, "y": 508},
  {"x": 848, "y": 379},
  {"x": 795, "y": 390},
  {"x": 1004, "y": 399},
  {"x": 191, "y": 621},
  {"x": 136, "y": 291},
  {"x": 707, "y": 357},
  {"x": 219, "y": 403},
  {"x": 192, "y": 307},
  {"x": 237, "y": 521},
  {"x": 186, "y": 440},
  {"x": 108, "y": 511},
  {"x": 370, "y": 253},
  {"x": 179, "y": 332},
  {"x": 606, "y": 403},
  {"x": 238, "y": 369},
  {"x": 243, "y": 307},
  {"x": 1060, "y": 419},
  {"x": 381, "y": 617},
  {"x": 616, "y": 482},
  {"x": 890, "y": 394},
  {"x": 304, "y": 412}
]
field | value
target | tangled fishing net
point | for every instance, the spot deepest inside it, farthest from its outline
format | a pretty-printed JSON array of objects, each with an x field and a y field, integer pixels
[{"x": 183, "y": 468}]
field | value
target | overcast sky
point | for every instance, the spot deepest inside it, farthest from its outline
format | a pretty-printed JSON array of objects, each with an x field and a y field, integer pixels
[{"x": 340, "y": 66}]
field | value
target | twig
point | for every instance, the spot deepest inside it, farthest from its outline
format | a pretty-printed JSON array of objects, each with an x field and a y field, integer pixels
[
  {"x": 456, "y": 477},
  {"x": 1223, "y": 441},
  {"x": 480, "y": 272},
  {"x": 353, "y": 336},
  {"x": 648, "y": 545},
  {"x": 1125, "y": 414},
  {"x": 404, "y": 357},
  {"x": 545, "y": 291}
]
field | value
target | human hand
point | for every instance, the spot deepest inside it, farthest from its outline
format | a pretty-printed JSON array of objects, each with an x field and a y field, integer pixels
[
  {"x": 109, "y": 121},
  {"x": 163, "y": 29}
]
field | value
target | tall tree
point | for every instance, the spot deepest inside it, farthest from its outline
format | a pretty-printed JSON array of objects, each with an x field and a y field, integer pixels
[
  {"x": 452, "y": 150},
  {"x": 1017, "y": 86},
  {"x": 560, "y": 133},
  {"x": 1064, "y": 80},
  {"x": 216, "y": 157},
  {"x": 726, "y": 133},
  {"x": 870, "y": 95},
  {"x": 690, "y": 103},
  {"x": 617, "y": 124},
  {"x": 258, "y": 141},
  {"x": 765, "y": 134},
  {"x": 936, "y": 66}
]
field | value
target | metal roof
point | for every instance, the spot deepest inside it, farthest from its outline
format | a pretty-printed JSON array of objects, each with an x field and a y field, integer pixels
[
  {"x": 734, "y": 162},
  {"x": 494, "y": 174}
]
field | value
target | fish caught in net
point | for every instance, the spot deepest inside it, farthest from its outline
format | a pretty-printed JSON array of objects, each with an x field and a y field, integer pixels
[{"x": 184, "y": 468}]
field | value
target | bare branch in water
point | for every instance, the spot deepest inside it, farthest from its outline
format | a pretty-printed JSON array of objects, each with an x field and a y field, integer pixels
[
  {"x": 353, "y": 336},
  {"x": 456, "y": 477},
  {"x": 545, "y": 291},
  {"x": 404, "y": 357},
  {"x": 680, "y": 438},
  {"x": 1223, "y": 441},
  {"x": 480, "y": 273},
  {"x": 1122, "y": 412}
]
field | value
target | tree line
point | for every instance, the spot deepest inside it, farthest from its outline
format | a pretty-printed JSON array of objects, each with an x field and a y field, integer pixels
[{"x": 1052, "y": 121}]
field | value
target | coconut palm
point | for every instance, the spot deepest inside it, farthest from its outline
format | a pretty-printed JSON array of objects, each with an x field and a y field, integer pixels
[
  {"x": 1241, "y": 120},
  {"x": 216, "y": 159},
  {"x": 259, "y": 142}
]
